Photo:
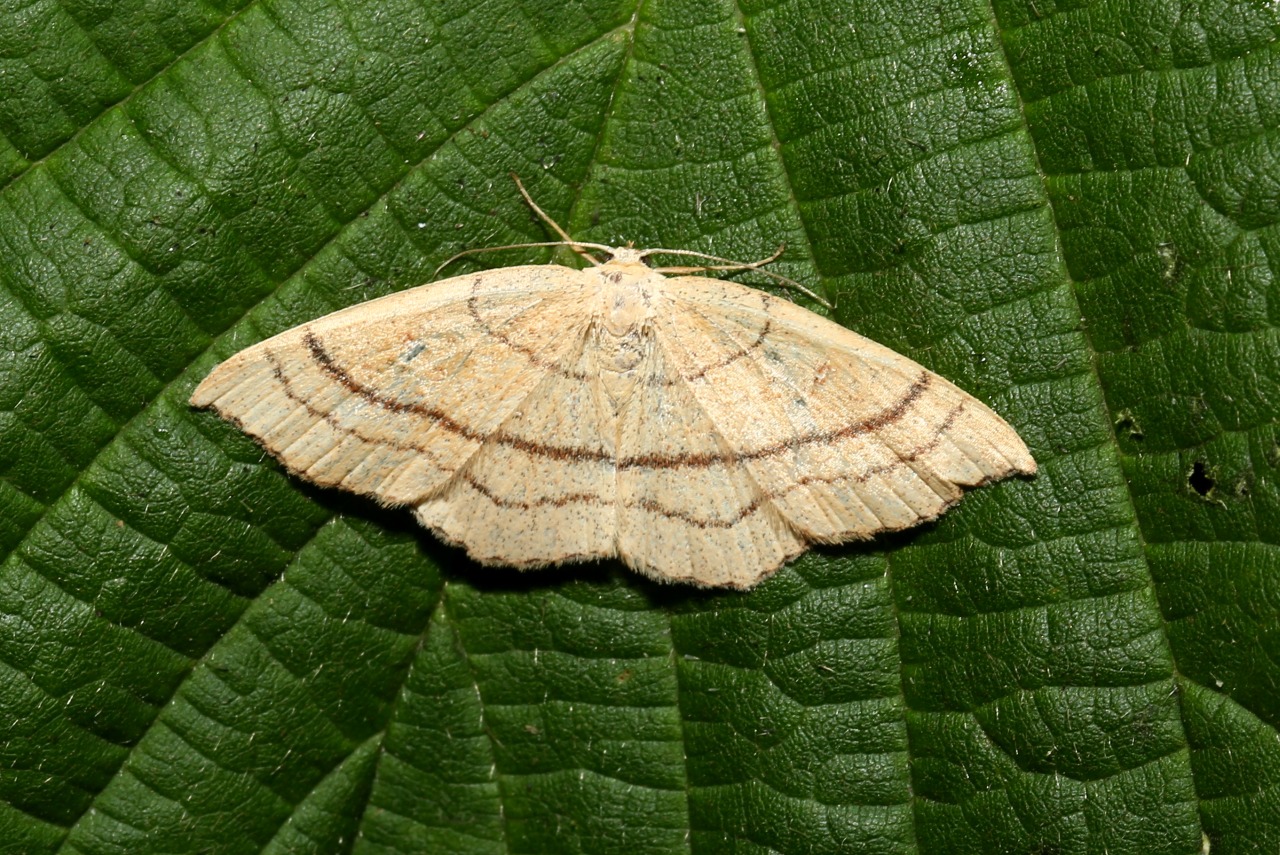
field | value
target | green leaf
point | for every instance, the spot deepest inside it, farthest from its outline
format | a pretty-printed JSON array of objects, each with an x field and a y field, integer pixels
[{"x": 1070, "y": 210}]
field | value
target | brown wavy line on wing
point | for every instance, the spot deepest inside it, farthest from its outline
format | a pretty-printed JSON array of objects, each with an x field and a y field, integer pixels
[
  {"x": 744, "y": 512},
  {"x": 700, "y": 460}
]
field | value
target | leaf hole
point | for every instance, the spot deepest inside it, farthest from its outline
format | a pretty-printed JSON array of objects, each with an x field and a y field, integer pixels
[
  {"x": 1200, "y": 480},
  {"x": 1127, "y": 424}
]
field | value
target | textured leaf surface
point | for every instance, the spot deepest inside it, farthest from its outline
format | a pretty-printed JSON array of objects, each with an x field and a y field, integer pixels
[{"x": 1070, "y": 210}]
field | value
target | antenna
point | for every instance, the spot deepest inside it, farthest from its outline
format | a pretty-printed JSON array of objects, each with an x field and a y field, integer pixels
[
  {"x": 479, "y": 249},
  {"x": 576, "y": 246},
  {"x": 728, "y": 264},
  {"x": 580, "y": 247}
]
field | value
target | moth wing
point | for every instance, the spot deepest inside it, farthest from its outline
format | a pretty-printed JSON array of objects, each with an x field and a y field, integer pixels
[
  {"x": 843, "y": 436},
  {"x": 393, "y": 397}
]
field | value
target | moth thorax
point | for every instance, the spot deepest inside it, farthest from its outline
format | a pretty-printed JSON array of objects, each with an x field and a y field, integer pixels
[{"x": 626, "y": 296}]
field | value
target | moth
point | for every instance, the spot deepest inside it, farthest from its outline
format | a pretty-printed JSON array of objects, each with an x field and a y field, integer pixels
[{"x": 699, "y": 430}]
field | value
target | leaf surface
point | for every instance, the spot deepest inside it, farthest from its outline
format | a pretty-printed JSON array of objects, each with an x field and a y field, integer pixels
[{"x": 1069, "y": 210}]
